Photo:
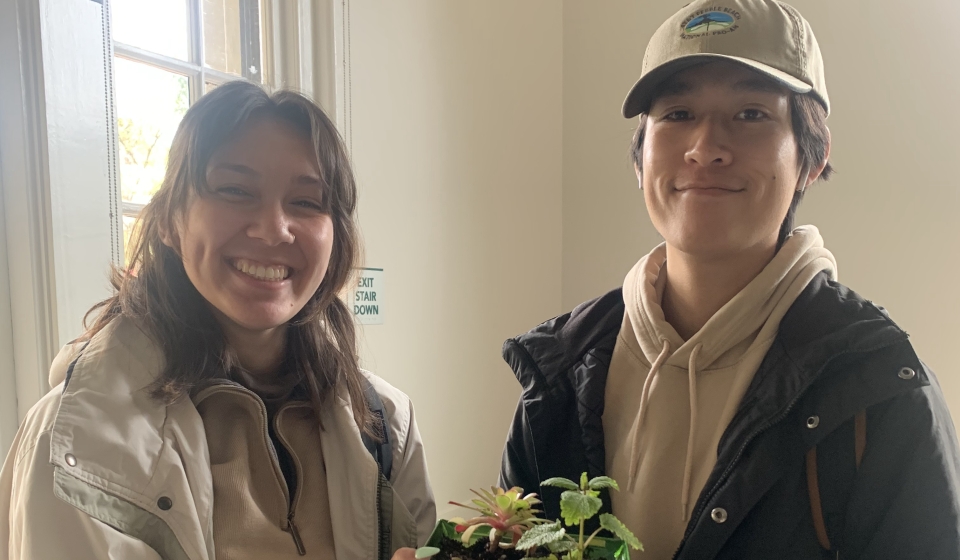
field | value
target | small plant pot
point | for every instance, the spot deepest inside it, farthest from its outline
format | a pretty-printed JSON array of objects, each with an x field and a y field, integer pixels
[{"x": 600, "y": 548}]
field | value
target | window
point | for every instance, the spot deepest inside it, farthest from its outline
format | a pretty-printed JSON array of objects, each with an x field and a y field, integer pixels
[{"x": 167, "y": 54}]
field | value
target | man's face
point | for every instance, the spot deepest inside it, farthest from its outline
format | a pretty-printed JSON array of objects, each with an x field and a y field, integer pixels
[{"x": 720, "y": 163}]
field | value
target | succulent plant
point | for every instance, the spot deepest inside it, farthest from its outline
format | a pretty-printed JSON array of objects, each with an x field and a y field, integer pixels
[{"x": 505, "y": 512}]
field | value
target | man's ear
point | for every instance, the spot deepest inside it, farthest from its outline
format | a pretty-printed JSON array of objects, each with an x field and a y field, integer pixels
[{"x": 818, "y": 170}]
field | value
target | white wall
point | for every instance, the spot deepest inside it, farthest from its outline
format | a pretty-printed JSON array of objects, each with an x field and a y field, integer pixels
[
  {"x": 456, "y": 128},
  {"x": 890, "y": 213}
]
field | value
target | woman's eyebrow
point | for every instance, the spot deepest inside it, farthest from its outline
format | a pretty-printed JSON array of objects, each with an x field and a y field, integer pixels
[
  {"x": 237, "y": 168},
  {"x": 309, "y": 180}
]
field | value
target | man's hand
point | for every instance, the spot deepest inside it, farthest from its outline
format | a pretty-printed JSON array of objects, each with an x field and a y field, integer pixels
[{"x": 405, "y": 554}]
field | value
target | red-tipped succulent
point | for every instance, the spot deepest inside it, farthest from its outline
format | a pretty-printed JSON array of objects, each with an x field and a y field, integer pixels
[{"x": 505, "y": 512}]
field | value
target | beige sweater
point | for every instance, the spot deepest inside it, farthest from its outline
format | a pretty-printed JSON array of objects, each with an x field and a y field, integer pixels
[
  {"x": 668, "y": 401},
  {"x": 255, "y": 515}
]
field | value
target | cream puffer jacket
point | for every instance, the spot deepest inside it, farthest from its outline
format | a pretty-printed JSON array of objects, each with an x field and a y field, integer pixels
[{"x": 100, "y": 470}]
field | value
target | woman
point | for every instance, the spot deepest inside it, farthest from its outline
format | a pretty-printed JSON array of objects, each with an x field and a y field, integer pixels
[{"x": 215, "y": 408}]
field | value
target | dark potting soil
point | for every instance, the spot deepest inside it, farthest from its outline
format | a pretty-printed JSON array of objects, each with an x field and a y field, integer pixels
[{"x": 450, "y": 549}]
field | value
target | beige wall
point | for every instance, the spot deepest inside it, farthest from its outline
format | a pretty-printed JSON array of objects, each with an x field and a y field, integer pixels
[
  {"x": 890, "y": 213},
  {"x": 457, "y": 146}
]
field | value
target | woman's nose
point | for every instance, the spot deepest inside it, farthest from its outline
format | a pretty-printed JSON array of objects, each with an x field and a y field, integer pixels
[{"x": 271, "y": 225}]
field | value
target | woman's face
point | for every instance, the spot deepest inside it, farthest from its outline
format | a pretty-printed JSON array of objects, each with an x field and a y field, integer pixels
[{"x": 256, "y": 244}]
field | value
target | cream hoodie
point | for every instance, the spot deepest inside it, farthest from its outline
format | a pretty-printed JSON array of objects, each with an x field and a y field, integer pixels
[{"x": 668, "y": 401}]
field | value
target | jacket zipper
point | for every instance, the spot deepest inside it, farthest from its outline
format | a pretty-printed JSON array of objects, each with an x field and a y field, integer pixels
[
  {"x": 381, "y": 534},
  {"x": 292, "y": 529},
  {"x": 295, "y": 499},
  {"x": 291, "y": 500},
  {"x": 726, "y": 473}
]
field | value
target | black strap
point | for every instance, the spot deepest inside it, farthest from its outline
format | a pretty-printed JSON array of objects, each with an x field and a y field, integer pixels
[{"x": 382, "y": 451}]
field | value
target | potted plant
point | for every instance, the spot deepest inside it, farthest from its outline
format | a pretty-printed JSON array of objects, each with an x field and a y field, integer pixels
[{"x": 507, "y": 527}]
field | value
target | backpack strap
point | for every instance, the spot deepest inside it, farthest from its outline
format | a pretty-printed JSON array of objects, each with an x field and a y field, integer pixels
[
  {"x": 382, "y": 451},
  {"x": 813, "y": 485}
]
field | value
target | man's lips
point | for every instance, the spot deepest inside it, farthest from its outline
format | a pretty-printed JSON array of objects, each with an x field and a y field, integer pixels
[{"x": 709, "y": 190}]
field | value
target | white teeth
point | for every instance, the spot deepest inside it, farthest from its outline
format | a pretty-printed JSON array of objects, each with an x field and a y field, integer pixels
[{"x": 274, "y": 273}]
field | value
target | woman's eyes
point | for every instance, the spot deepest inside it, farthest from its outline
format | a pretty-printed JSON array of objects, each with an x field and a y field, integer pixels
[
  {"x": 232, "y": 190},
  {"x": 310, "y": 204},
  {"x": 237, "y": 192}
]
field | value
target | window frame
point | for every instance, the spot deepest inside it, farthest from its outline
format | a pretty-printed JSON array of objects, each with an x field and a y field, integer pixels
[
  {"x": 303, "y": 46},
  {"x": 195, "y": 70}
]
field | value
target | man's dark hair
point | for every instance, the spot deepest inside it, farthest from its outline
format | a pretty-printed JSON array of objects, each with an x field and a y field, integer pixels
[{"x": 809, "y": 119}]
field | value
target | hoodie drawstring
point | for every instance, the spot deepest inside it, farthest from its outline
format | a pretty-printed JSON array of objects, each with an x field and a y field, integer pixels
[
  {"x": 688, "y": 462},
  {"x": 642, "y": 413}
]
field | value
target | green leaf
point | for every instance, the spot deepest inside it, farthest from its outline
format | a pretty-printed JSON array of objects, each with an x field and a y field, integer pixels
[
  {"x": 602, "y": 482},
  {"x": 565, "y": 545},
  {"x": 541, "y": 535},
  {"x": 583, "y": 481},
  {"x": 560, "y": 482},
  {"x": 426, "y": 552},
  {"x": 576, "y": 507},
  {"x": 503, "y": 502},
  {"x": 615, "y": 526}
]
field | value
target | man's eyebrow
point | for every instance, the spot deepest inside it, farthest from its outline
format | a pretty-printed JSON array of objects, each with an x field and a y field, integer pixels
[
  {"x": 757, "y": 85},
  {"x": 674, "y": 87}
]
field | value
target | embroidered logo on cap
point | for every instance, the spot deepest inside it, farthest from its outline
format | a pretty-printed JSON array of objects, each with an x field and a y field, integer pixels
[{"x": 710, "y": 21}]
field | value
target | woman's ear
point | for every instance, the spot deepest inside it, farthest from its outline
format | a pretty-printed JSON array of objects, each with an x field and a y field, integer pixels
[{"x": 170, "y": 238}]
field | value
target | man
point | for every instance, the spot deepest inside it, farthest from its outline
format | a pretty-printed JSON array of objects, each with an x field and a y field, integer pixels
[{"x": 748, "y": 405}]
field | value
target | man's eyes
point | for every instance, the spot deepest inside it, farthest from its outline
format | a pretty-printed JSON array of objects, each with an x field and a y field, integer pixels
[
  {"x": 685, "y": 115},
  {"x": 679, "y": 115},
  {"x": 752, "y": 115}
]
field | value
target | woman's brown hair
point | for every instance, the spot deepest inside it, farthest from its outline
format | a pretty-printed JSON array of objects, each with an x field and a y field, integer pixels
[{"x": 156, "y": 293}]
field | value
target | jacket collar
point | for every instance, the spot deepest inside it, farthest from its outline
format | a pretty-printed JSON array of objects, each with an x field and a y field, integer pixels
[
  {"x": 123, "y": 442},
  {"x": 110, "y": 434},
  {"x": 827, "y": 321}
]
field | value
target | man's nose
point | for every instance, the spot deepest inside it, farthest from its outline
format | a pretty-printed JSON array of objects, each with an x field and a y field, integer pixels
[{"x": 709, "y": 145}]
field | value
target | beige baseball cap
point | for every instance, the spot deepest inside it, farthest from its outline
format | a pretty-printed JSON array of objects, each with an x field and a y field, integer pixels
[{"x": 768, "y": 36}]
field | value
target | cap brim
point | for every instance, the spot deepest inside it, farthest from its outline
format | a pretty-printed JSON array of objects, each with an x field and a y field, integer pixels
[{"x": 641, "y": 95}]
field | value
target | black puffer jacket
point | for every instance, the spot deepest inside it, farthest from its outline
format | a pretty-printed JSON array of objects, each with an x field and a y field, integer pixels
[{"x": 835, "y": 355}]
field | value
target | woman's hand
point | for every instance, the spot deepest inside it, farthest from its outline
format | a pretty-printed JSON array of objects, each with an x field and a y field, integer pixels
[{"x": 405, "y": 554}]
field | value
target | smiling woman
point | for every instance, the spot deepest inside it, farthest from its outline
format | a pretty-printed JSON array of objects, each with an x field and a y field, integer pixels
[{"x": 227, "y": 358}]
